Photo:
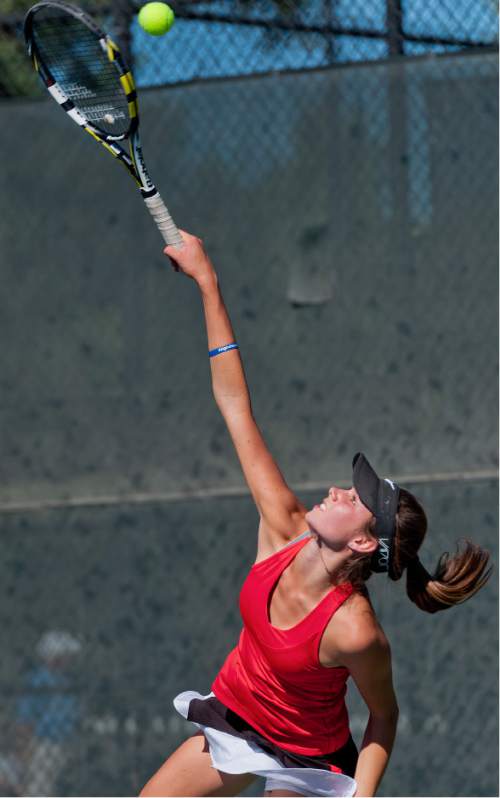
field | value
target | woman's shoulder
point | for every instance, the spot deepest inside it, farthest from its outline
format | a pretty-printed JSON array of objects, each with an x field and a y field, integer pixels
[
  {"x": 271, "y": 541},
  {"x": 358, "y": 609},
  {"x": 354, "y": 625}
]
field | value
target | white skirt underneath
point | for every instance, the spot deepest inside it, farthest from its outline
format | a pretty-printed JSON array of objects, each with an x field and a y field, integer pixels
[{"x": 232, "y": 754}]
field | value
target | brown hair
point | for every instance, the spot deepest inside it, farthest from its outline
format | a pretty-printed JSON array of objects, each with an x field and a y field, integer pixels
[{"x": 455, "y": 579}]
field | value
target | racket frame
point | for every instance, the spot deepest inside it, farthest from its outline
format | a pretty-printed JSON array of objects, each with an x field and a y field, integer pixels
[{"x": 134, "y": 160}]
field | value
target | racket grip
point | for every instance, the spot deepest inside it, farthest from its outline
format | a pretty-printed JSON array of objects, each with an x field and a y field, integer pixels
[{"x": 166, "y": 224}]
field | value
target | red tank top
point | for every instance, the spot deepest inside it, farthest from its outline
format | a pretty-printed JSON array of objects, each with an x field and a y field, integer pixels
[{"x": 273, "y": 678}]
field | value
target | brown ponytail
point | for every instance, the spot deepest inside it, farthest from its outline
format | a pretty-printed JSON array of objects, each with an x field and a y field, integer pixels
[{"x": 455, "y": 579}]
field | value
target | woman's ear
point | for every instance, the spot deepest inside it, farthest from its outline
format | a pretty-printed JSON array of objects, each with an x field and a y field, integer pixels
[{"x": 363, "y": 544}]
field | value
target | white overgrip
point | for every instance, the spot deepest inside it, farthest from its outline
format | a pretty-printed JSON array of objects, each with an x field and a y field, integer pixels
[{"x": 166, "y": 225}]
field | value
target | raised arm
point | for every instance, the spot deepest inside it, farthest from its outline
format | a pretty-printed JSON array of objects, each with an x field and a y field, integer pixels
[{"x": 280, "y": 510}]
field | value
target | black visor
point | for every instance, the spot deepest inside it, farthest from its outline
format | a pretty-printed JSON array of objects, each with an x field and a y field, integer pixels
[{"x": 381, "y": 497}]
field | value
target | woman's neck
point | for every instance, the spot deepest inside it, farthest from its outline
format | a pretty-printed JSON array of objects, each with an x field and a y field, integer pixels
[{"x": 316, "y": 568}]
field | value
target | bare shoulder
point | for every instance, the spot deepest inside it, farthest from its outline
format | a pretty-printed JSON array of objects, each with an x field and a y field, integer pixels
[
  {"x": 353, "y": 629},
  {"x": 271, "y": 538}
]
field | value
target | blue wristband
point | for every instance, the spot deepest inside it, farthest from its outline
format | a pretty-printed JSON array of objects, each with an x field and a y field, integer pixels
[{"x": 221, "y": 349}]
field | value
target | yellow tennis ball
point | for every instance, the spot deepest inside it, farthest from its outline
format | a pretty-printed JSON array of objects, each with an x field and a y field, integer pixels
[{"x": 156, "y": 18}]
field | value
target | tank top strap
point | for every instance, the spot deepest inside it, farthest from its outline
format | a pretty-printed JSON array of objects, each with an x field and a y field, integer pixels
[
  {"x": 282, "y": 555},
  {"x": 294, "y": 542},
  {"x": 330, "y": 604}
]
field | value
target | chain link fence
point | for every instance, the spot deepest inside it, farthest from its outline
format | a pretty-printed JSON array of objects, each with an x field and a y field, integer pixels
[
  {"x": 219, "y": 38},
  {"x": 351, "y": 210}
]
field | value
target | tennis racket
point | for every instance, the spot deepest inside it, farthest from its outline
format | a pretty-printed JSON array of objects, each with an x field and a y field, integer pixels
[{"x": 86, "y": 75}]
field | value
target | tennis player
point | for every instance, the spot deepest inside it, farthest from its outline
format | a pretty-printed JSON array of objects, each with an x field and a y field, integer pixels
[{"x": 277, "y": 707}]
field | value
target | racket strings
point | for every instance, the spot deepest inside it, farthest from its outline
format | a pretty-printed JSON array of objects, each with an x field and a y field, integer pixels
[{"x": 74, "y": 56}]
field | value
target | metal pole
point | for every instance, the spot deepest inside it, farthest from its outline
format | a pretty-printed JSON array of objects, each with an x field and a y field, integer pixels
[
  {"x": 329, "y": 17},
  {"x": 398, "y": 114},
  {"x": 123, "y": 13},
  {"x": 394, "y": 26}
]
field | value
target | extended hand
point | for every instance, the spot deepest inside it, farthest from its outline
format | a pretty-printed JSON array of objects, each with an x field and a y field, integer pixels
[{"x": 191, "y": 258}]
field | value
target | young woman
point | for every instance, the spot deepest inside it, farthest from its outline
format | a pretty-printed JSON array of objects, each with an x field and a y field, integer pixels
[{"x": 277, "y": 705}]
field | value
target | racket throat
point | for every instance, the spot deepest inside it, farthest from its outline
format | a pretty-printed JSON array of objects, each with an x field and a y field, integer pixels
[{"x": 146, "y": 185}]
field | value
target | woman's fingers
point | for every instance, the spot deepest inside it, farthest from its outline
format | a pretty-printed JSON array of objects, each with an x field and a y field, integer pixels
[{"x": 190, "y": 258}]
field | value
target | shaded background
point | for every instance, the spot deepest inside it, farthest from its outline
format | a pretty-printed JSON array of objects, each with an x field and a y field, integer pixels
[{"x": 351, "y": 210}]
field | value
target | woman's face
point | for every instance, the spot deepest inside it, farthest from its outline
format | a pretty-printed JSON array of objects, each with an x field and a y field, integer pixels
[{"x": 340, "y": 517}]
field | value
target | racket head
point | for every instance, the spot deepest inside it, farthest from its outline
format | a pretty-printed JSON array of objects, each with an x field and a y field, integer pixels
[{"x": 83, "y": 69}]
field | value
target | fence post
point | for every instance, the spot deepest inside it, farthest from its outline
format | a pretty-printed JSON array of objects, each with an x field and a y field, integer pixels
[
  {"x": 123, "y": 13},
  {"x": 394, "y": 27}
]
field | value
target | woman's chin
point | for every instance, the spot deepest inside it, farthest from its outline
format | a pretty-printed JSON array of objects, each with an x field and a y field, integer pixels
[{"x": 309, "y": 517}]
